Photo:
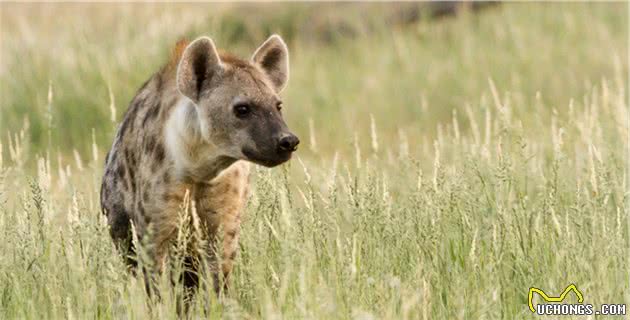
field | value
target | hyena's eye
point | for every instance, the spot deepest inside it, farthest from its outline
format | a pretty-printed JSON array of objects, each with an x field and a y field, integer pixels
[
  {"x": 242, "y": 110},
  {"x": 279, "y": 106}
]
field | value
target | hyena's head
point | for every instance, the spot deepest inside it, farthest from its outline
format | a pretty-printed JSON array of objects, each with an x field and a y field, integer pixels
[{"x": 237, "y": 102}]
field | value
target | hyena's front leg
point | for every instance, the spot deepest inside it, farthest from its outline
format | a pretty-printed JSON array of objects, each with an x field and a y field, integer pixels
[
  {"x": 221, "y": 203},
  {"x": 158, "y": 240},
  {"x": 225, "y": 252},
  {"x": 160, "y": 228},
  {"x": 224, "y": 219},
  {"x": 231, "y": 230}
]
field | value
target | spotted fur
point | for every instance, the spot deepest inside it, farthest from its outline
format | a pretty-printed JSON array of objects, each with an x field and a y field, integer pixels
[{"x": 184, "y": 136}]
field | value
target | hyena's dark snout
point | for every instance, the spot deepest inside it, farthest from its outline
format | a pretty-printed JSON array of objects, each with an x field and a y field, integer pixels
[{"x": 287, "y": 143}]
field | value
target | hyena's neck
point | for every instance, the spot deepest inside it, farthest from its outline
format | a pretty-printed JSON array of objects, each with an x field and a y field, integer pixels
[{"x": 194, "y": 158}]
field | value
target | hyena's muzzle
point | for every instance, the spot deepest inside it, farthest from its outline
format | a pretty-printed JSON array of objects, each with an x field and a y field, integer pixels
[{"x": 273, "y": 143}]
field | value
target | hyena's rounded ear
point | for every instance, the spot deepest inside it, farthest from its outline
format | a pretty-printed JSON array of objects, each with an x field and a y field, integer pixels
[
  {"x": 273, "y": 58},
  {"x": 198, "y": 64}
]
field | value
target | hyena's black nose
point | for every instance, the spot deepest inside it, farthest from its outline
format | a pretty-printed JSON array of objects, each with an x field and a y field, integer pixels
[{"x": 288, "y": 143}]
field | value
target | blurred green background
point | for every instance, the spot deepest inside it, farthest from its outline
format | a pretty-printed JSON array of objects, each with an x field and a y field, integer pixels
[{"x": 63, "y": 66}]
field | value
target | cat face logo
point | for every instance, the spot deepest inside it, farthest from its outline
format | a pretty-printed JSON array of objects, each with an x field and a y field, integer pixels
[{"x": 547, "y": 298}]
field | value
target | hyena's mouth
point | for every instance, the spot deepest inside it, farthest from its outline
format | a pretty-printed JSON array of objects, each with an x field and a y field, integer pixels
[{"x": 267, "y": 161}]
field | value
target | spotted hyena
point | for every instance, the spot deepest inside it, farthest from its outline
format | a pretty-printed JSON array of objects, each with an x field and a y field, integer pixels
[{"x": 191, "y": 131}]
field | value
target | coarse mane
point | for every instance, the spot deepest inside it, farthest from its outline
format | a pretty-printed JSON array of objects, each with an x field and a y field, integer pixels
[{"x": 170, "y": 68}]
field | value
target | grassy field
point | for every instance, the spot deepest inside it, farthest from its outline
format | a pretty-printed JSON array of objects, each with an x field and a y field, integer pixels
[{"x": 447, "y": 165}]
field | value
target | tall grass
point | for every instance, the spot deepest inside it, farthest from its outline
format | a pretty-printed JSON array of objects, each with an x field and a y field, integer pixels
[{"x": 446, "y": 166}]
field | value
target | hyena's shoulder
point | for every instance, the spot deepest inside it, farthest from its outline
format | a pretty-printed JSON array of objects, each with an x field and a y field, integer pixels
[
  {"x": 137, "y": 153},
  {"x": 138, "y": 129}
]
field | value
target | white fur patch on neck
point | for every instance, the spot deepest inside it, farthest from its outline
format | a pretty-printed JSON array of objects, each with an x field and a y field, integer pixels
[{"x": 183, "y": 138}]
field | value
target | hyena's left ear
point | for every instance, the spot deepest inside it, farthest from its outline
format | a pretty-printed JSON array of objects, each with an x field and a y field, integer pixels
[
  {"x": 273, "y": 58},
  {"x": 199, "y": 63}
]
